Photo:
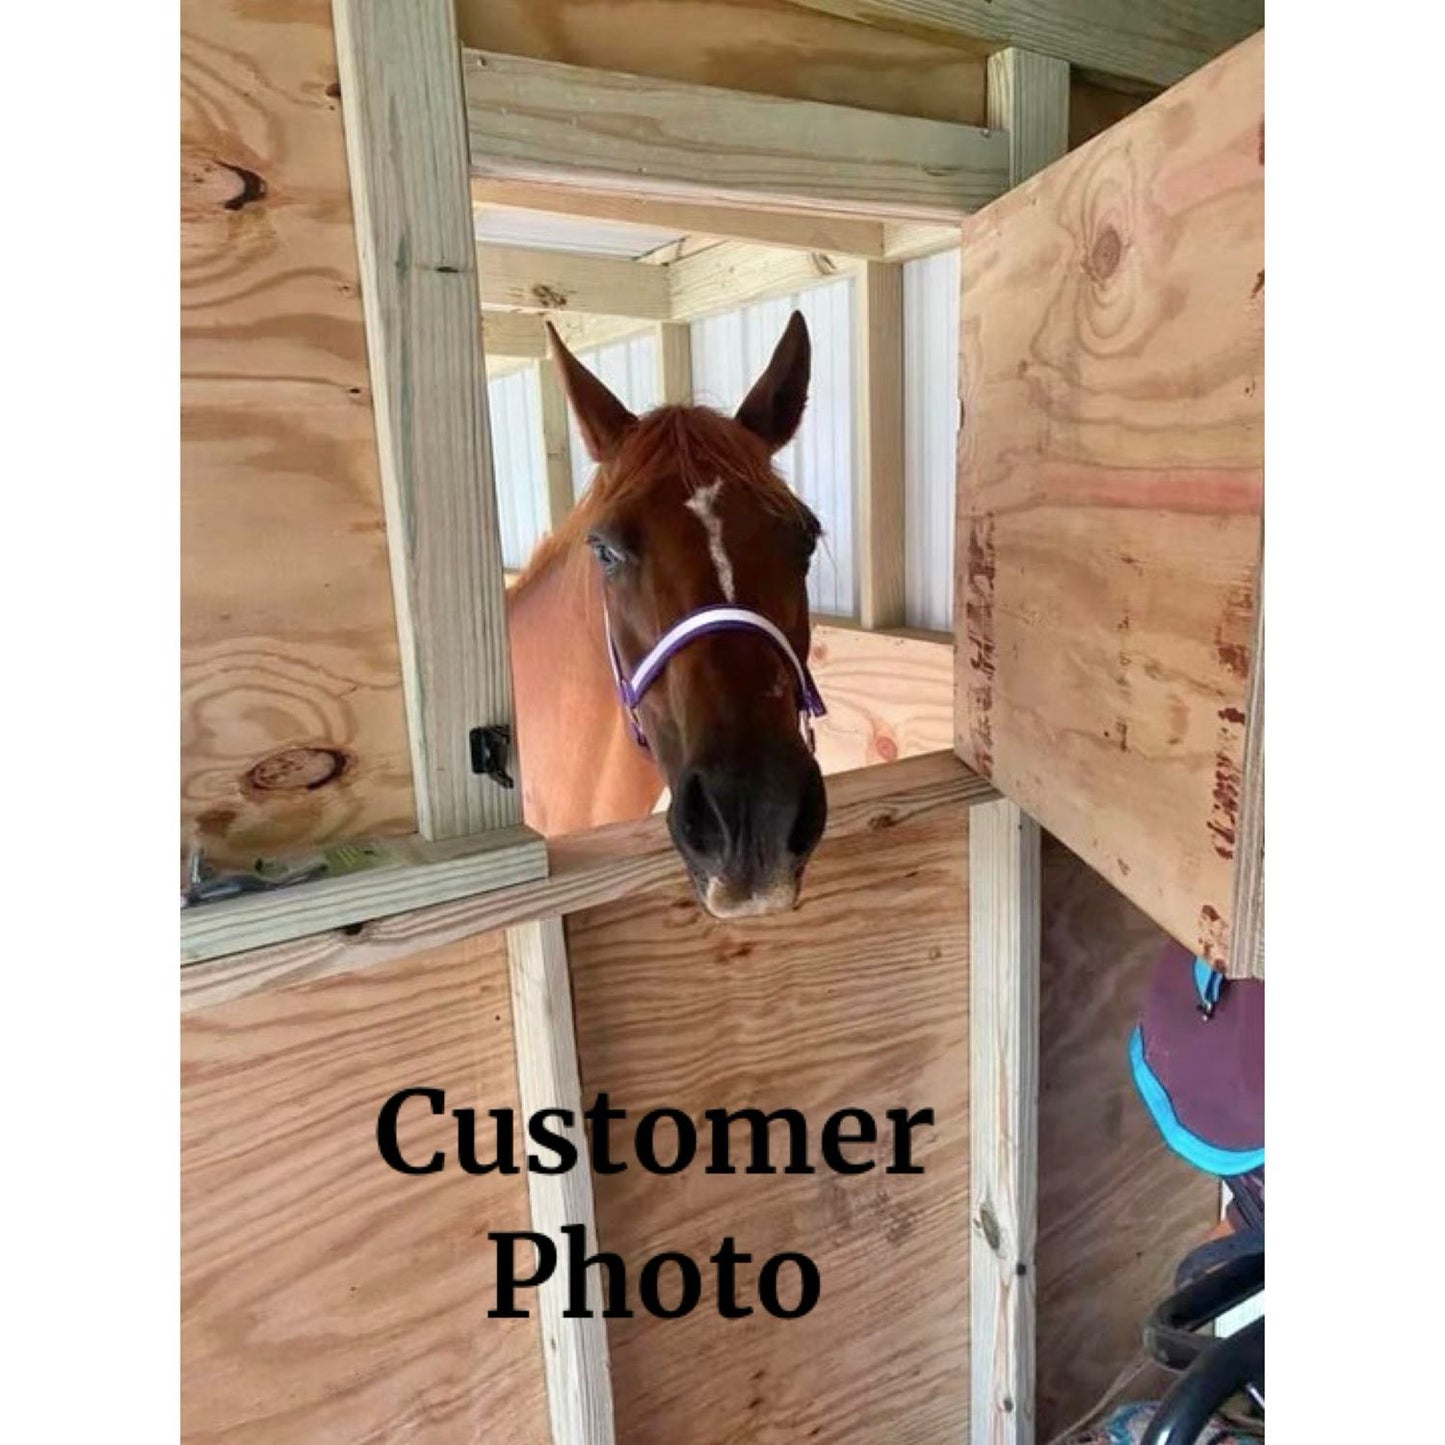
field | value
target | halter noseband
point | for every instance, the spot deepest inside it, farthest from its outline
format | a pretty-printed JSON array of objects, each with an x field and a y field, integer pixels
[{"x": 689, "y": 629}]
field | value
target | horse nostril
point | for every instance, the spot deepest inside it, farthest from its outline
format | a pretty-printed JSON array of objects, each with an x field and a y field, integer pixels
[{"x": 699, "y": 823}]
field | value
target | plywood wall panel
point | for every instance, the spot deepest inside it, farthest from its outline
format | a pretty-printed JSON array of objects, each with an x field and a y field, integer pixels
[
  {"x": 857, "y": 999},
  {"x": 288, "y": 630},
  {"x": 1117, "y": 1211},
  {"x": 1111, "y": 492},
  {"x": 325, "y": 1297}
]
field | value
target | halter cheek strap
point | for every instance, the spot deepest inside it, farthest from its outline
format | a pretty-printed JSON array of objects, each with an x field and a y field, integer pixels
[{"x": 699, "y": 624}]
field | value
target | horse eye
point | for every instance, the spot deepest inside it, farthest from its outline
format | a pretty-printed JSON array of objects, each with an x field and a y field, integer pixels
[{"x": 606, "y": 554}]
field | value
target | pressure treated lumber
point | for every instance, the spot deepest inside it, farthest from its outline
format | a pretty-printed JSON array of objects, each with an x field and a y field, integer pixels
[
  {"x": 749, "y": 45},
  {"x": 878, "y": 318},
  {"x": 857, "y": 999},
  {"x": 1246, "y": 952},
  {"x": 325, "y": 1297},
  {"x": 1028, "y": 98},
  {"x": 512, "y": 334},
  {"x": 674, "y": 364},
  {"x": 733, "y": 273},
  {"x": 424, "y": 873},
  {"x": 1110, "y": 493},
  {"x": 1158, "y": 43},
  {"x": 539, "y": 121},
  {"x": 1004, "y": 903},
  {"x": 407, "y": 148},
  {"x": 533, "y": 278},
  {"x": 585, "y": 870},
  {"x": 574, "y": 1351},
  {"x": 289, "y": 664}
]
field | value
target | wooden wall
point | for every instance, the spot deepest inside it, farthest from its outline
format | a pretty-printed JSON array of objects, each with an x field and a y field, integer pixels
[
  {"x": 291, "y": 705},
  {"x": 1111, "y": 492},
  {"x": 860, "y": 999},
  {"x": 323, "y": 1296}
]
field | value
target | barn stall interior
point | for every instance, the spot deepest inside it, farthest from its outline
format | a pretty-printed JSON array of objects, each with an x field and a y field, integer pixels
[{"x": 1042, "y": 743}]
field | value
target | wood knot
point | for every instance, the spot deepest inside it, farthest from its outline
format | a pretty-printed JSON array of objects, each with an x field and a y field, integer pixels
[
  {"x": 549, "y": 297},
  {"x": 1106, "y": 253},
  {"x": 297, "y": 770},
  {"x": 253, "y": 187}
]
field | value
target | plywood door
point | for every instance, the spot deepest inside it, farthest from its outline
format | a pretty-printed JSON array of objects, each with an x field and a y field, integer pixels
[
  {"x": 292, "y": 723},
  {"x": 1111, "y": 493},
  {"x": 326, "y": 1299},
  {"x": 858, "y": 999}
]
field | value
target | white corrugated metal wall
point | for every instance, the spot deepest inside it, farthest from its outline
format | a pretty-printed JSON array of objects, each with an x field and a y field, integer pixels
[
  {"x": 930, "y": 430},
  {"x": 629, "y": 371},
  {"x": 518, "y": 462},
  {"x": 730, "y": 351}
]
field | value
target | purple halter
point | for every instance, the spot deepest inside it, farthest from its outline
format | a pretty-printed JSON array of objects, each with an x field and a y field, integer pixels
[{"x": 689, "y": 629}]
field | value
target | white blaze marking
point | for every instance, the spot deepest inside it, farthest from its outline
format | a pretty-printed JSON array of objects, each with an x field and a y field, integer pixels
[{"x": 701, "y": 504}]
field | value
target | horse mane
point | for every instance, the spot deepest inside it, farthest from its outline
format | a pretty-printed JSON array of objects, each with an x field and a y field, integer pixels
[{"x": 692, "y": 444}]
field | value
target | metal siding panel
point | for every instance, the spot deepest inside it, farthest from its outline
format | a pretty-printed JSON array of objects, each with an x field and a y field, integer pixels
[{"x": 930, "y": 409}]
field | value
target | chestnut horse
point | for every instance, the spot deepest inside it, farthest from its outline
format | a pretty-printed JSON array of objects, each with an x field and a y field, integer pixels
[{"x": 685, "y": 514}]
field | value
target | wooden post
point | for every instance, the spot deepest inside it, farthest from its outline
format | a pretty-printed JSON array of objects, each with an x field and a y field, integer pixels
[
  {"x": 406, "y": 143},
  {"x": 1003, "y": 898},
  {"x": 878, "y": 312},
  {"x": 574, "y": 1351},
  {"x": 1028, "y": 97},
  {"x": 556, "y": 444},
  {"x": 674, "y": 364},
  {"x": 1246, "y": 933}
]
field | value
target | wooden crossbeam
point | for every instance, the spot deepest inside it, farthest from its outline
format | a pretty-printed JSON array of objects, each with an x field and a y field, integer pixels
[
  {"x": 513, "y": 334},
  {"x": 795, "y": 230},
  {"x": 734, "y": 273},
  {"x": 531, "y": 278},
  {"x": 1157, "y": 43},
  {"x": 533, "y": 120},
  {"x": 407, "y": 153}
]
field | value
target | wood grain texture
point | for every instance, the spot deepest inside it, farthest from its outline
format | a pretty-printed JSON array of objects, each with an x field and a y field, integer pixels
[
  {"x": 407, "y": 151},
  {"x": 1246, "y": 952},
  {"x": 889, "y": 696},
  {"x": 795, "y": 230},
  {"x": 423, "y": 873},
  {"x": 1028, "y": 96},
  {"x": 585, "y": 870},
  {"x": 764, "y": 46},
  {"x": 574, "y": 1351},
  {"x": 1110, "y": 493},
  {"x": 674, "y": 364},
  {"x": 532, "y": 278},
  {"x": 288, "y": 634},
  {"x": 512, "y": 334},
  {"x": 857, "y": 999},
  {"x": 323, "y": 1296},
  {"x": 878, "y": 317},
  {"x": 733, "y": 273},
  {"x": 1158, "y": 43},
  {"x": 1004, "y": 904},
  {"x": 535, "y": 120},
  {"x": 1116, "y": 1209}
]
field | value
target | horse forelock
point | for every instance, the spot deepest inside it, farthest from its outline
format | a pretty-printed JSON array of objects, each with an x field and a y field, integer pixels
[{"x": 686, "y": 446}]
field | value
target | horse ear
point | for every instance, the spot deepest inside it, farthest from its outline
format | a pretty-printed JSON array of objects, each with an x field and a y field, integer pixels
[
  {"x": 601, "y": 418},
  {"x": 774, "y": 407}
]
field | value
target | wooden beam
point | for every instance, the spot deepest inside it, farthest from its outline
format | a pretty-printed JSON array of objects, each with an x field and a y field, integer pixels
[
  {"x": 582, "y": 331},
  {"x": 1004, "y": 933},
  {"x": 556, "y": 445},
  {"x": 513, "y": 334},
  {"x": 674, "y": 364},
  {"x": 585, "y": 869},
  {"x": 407, "y": 151},
  {"x": 574, "y": 1351},
  {"x": 1028, "y": 98},
  {"x": 527, "y": 278},
  {"x": 795, "y": 230},
  {"x": 908, "y": 240},
  {"x": 1246, "y": 934},
  {"x": 878, "y": 317},
  {"x": 408, "y": 874},
  {"x": 535, "y": 120},
  {"x": 1157, "y": 43},
  {"x": 733, "y": 273}
]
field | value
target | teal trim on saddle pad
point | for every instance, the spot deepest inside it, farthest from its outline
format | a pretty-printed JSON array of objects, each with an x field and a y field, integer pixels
[
  {"x": 1199, "y": 1152},
  {"x": 1207, "y": 983}
]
